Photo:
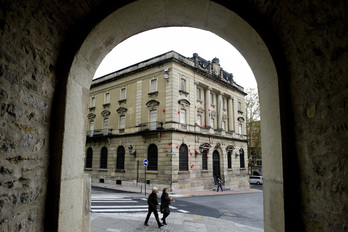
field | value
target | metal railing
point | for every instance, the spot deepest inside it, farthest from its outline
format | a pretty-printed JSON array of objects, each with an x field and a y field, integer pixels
[
  {"x": 100, "y": 132},
  {"x": 151, "y": 126}
]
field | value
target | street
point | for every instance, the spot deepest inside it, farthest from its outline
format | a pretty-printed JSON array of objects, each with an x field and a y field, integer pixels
[{"x": 245, "y": 209}]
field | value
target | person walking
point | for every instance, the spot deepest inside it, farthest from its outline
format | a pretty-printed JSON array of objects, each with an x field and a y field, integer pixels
[
  {"x": 165, "y": 202},
  {"x": 219, "y": 185},
  {"x": 152, "y": 201}
]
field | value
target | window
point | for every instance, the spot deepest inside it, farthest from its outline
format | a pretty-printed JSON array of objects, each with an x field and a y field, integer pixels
[
  {"x": 93, "y": 102},
  {"x": 154, "y": 85},
  {"x": 153, "y": 119},
  {"x": 183, "y": 116},
  {"x": 152, "y": 157},
  {"x": 120, "y": 158},
  {"x": 212, "y": 123},
  {"x": 223, "y": 125},
  {"x": 229, "y": 160},
  {"x": 89, "y": 157},
  {"x": 122, "y": 122},
  {"x": 183, "y": 84},
  {"x": 241, "y": 155},
  {"x": 240, "y": 129},
  {"x": 239, "y": 106},
  {"x": 91, "y": 128},
  {"x": 123, "y": 93},
  {"x": 199, "y": 120},
  {"x": 106, "y": 126},
  {"x": 107, "y": 98},
  {"x": 223, "y": 103},
  {"x": 198, "y": 94},
  {"x": 104, "y": 158},
  {"x": 211, "y": 99},
  {"x": 204, "y": 160},
  {"x": 183, "y": 158}
]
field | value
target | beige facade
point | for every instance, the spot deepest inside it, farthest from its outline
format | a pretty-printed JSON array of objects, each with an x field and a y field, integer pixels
[{"x": 184, "y": 115}]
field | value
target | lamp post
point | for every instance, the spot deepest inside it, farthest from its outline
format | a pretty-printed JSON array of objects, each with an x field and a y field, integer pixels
[{"x": 130, "y": 148}]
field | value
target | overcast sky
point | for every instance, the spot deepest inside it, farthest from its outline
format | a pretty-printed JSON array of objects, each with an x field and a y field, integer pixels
[{"x": 183, "y": 40}]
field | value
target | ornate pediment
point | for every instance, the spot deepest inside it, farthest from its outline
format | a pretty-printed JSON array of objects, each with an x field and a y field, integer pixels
[
  {"x": 184, "y": 102},
  {"x": 105, "y": 113},
  {"x": 91, "y": 116},
  {"x": 230, "y": 148},
  {"x": 240, "y": 119},
  {"x": 121, "y": 110},
  {"x": 152, "y": 103},
  {"x": 206, "y": 146}
]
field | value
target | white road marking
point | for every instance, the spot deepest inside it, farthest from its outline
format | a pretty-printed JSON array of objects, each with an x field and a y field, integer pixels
[
  {"x": 183, "y": 211},
  {"x": 119, "y": 207},
  {"x": 118, "y": 210}
]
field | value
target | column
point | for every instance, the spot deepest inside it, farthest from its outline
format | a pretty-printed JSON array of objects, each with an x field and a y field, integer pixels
[
  {"x": 207, "y": 107},
  {"x": 230, "y": 114},
  {"x": 219, "y": 112}
]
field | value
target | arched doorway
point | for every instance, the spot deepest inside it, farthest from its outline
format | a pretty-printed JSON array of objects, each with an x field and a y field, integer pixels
[
  {"x": 140, "y": 16},
  {"x": 216, "y": 166}
]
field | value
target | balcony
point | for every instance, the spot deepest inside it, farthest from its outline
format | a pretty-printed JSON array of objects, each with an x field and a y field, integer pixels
[
  {"x": 99, "y": 133},
  {"x": 150, "y": 126}
]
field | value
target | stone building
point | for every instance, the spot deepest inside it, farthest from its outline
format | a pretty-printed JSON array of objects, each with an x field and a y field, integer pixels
[
  {"x": 50, "y": 50},
  {"x": 184, "y": 115}
]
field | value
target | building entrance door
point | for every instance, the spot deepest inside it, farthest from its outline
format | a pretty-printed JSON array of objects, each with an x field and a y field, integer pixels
[{"x": 216, "y": 166}]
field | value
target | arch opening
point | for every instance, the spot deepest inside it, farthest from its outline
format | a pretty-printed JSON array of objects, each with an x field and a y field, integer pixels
[{"x": 215, "y": 18}]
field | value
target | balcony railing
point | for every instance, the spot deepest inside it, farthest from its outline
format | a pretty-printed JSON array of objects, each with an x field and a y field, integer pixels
[
  {"x": 151, "y": 126},
  {"x": 98, "y": 133}
]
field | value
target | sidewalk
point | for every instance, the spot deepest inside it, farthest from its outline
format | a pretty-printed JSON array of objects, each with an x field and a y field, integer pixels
[{"x": 178, "y": 193}]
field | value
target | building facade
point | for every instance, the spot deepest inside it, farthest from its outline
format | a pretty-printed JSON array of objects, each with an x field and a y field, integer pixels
[{"x": 185, "y": 116}]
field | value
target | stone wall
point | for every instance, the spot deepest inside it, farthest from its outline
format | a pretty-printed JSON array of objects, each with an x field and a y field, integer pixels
[{"x": 308, "y": 44}]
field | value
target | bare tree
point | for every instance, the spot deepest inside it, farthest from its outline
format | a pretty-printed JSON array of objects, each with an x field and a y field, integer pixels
[{"x": 253, "y": 126}]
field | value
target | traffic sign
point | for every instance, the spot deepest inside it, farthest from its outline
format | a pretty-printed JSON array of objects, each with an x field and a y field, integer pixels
[{"x": 146, "y": 162}]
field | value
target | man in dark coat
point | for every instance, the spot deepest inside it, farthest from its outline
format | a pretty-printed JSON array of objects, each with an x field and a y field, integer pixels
[
  {"x": 165, "y": 202},
  {"x": 219, "y": 185},
  {"x": 152, "y": 201}
]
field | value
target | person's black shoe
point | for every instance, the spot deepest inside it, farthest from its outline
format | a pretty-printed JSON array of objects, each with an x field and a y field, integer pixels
[
  {"x": 160, "y": 225},
  {"x": 145, "y": 224}
]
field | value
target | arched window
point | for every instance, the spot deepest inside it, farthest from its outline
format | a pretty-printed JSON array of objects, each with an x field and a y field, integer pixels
[
  {"x": 229, "y": 160},
  {"x": 241, "y": 155},
  {"x": 104, "y": 158},
  {"x": 120, "y": 157},
  {"x": 152, "y": 157},
  {"x": 183, "y": 158},
  {"x": 89, "y": 157},
  {"x": 204, "y": 160}
]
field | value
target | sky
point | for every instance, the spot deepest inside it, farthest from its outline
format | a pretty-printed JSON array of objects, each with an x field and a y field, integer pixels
[{"x": 183, "y": 40}]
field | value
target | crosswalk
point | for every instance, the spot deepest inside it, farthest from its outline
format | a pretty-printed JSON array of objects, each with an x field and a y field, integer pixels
[{"x": 124, "y": 205}]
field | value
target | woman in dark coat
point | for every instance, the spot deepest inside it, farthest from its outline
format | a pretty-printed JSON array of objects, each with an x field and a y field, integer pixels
[{"x": 165, "y": 202}]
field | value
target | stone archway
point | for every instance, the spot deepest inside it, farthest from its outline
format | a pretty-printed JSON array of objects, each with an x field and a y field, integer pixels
[{"x": 149, "y": 14}]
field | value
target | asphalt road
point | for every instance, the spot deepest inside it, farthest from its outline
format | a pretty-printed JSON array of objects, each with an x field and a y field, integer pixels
[{"x": 246, "y": 209}]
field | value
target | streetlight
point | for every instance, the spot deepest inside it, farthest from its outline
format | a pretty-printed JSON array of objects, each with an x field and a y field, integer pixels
[{"x": 130, "y": 148}]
